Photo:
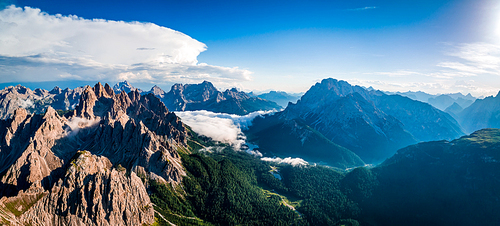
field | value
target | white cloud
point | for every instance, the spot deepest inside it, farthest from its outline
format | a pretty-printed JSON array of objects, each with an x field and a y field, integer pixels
[
  {"x": 399, "y": 73},
  {"x": 36, "y": 46},
  {"x": 26, "y": 103},
  {"x": 363, "y": 8},
  {"x": 473, "y": 59},
  {"x": 438, "y": 87},
  {"x": 288, "y": 160},
  {"x": 482, "y": 55},
  {"x": 75, "y": 124},
  {"x": 219, "y": 126}
]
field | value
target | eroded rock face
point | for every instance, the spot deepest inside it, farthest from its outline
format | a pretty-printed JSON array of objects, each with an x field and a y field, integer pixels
[
  {"x": 93, "y": 193},
  {"x": 40, "y": 157}
]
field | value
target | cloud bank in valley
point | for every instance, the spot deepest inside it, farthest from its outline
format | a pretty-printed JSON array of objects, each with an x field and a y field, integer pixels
[
  {"x": 288, "y": 160},
  {"x": 228, "y": 128},
  {"x": 36, "y": 46},
  {"x": 219, "y": 126},
  {"x": 75, "y": 124}
]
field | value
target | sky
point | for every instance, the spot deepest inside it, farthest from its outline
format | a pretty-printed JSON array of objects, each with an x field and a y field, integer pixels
[{"x": 431, "y": 46}]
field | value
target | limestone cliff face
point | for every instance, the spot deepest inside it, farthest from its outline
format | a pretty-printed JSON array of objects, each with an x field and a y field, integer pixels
[
  {"x": 49, "y": 181},
  {"x": 93, "y": 193}
]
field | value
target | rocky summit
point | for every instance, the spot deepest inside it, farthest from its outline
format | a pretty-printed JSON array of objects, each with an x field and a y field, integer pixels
[
  {"x": 205, "y": 96},
  {"x": 84, "y": 167},
  {"x": 368, "y": 122}
]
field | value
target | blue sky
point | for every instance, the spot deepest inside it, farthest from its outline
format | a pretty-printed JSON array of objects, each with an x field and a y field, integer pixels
[{"x": 433, "y": 46}]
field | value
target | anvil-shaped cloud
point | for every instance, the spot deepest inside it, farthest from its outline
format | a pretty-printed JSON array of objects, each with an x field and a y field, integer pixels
[{"x": 36, "y": 46}]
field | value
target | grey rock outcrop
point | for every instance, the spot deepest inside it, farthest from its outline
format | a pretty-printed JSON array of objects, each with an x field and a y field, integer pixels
[
  {"x": 126, "y": 87},
  {"x": 125, "y": 136},
  {"x": 92, "y": 192},
  {"x": 36, "y": 101}
]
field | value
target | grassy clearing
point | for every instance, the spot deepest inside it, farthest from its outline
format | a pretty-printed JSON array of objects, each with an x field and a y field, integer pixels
[{"x": 22, "y": 204}]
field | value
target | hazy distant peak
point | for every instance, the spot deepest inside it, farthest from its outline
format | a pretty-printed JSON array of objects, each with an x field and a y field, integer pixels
[
  {"x": 157, "y": 91},
  {"x": 454, "y": 108},
  {"x": 156, "y": 88},
  {"x": 125, "y": 86}
]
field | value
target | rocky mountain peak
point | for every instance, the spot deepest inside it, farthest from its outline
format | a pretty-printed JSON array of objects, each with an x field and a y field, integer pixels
[
  {"x": 329, "y": 90},
  {"x": 56, "y": 90},
  {"x": 205, "y": 96},
  {"x": 85, "y": 108},
  {"x": 454, "y": 109},
  {"x": 103, "y": 91},
  {"x": 365, "y": 121},
  {"x": 21, "y": 89},
  {"x": 157, "y": 91},
  {"x": 92, "y": 192},
  {"x": 122, "y": 134},
  {"x": 124, "y": 86},
  {"x": 235, "y": 94},
  {"x": 52, "y": 124}
]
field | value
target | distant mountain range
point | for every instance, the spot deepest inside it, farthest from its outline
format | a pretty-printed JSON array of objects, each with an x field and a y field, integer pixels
[
  {"x": 205, "y": 96},
  {"x": 440, "y": 101},
  {"x": 189, "y": 97},
  {"x": 472, "y": 113},
  {"x": 280, "y": 97},
  {"x": 36, "y": 101},
  {"x": 370, "y": 123},
  {"x": 483, "y": 113},
  {"x": 353, "y": 117},
  {"x": 126, "y": 87}
]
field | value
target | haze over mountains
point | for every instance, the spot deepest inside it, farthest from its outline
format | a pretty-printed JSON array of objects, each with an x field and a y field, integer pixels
[
  {"x": 483, "y": 113},
  {"x": 350, "y": 116},
  {"x": 441, "y": 101},
  {"x": 280, "y": 97},
  {"x": 370, "y": 123},
  {"x": 121, "y": 154}
]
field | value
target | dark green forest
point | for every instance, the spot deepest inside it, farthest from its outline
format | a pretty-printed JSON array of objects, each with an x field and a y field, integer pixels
[{"x": 432, "y": 183}]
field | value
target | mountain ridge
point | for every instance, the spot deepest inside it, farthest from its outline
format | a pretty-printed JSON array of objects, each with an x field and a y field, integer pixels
[
  {"x": 205, "y": 96},
  {"x": 483, "y": 113},
  {"x": 101, "y": 147},
  {"x": 370, "y": 123}
]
